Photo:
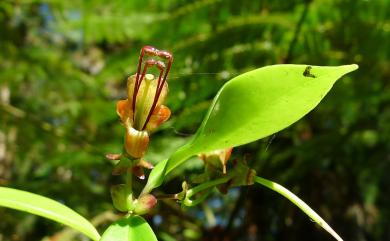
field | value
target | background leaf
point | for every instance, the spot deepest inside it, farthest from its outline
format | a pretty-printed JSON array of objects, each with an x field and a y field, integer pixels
[
  {"x": 48, "y": 208},
  {"x": 133, "y": 228}
]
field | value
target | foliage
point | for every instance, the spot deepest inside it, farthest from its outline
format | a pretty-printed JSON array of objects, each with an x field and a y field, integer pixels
[
  {"x": 62, "y": 68},
  {"x": 267, "y": 100},
  {"x": 47, "y": 208},
  {"x": 129, "y": 228}
]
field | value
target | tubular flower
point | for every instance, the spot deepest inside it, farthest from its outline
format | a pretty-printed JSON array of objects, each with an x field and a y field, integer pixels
[{"x": 142, "y": 111}]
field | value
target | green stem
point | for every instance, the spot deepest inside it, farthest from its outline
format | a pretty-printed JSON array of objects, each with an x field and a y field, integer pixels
[
  {"x": 129, "y": 178},
  {"x": 191, "y": 192},
  {"x": 191, "y": 203},
  {"x": 298, "y": 202}
]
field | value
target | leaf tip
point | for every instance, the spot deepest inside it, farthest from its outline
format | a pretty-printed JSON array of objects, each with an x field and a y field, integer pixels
[
  {"x": 354, "y": 67},
  {"x": 351, "y": 67},
  {"x": 345, "y": 69}
]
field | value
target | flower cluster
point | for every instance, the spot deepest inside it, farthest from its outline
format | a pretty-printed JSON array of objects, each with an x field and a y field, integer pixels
[{"x": 140, "y": 113}]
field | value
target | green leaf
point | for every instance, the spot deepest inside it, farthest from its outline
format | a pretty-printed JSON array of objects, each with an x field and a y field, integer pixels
[
  {"x": 255, "y": 105},
  {"x": 133, "y": 228},
  {"x": 48, "y": 208},
  {"x": 299, "y": 203},
  {"x": 261, "y": 102},
  {"x": 156, "y": 177}
]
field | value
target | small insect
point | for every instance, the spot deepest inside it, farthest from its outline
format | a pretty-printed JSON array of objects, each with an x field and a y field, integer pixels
[{"x": 307, "y": 73}]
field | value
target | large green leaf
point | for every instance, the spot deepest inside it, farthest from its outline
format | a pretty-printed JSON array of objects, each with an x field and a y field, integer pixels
[
  {"x": 133, "y": 228},
  {"x": 48, "y": 208},
  {"x": 255, "y": 105}
]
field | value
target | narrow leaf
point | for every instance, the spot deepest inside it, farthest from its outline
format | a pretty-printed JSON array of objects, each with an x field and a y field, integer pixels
[
  {"x": 299, "y": 203},
  {"x": 133, "y": 228},
  {"x": 156, "y": 177},
  {"x": 48, "y": 208}
]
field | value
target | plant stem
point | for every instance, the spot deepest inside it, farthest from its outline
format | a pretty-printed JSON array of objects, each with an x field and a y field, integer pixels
[
  {"x": 298, "y": 202},
  {"x": 191, "y": 192},
  {"x": 129, "y": 179},
  {"x": 297, "y": 32}
]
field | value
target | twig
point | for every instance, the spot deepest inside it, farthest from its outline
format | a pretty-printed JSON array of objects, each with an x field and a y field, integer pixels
[{"x": 297, "y": 32}]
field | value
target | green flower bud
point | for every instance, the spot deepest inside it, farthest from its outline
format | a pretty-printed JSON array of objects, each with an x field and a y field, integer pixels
[
  {"x": 144, "y": 204},
  {"x": 122, "y": 198}
]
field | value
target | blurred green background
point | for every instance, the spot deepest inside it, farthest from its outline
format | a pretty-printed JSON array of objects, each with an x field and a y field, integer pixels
[{"x": 63, "y": 66}]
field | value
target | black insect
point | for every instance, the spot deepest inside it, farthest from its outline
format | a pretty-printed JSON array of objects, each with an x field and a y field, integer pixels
[{"x": 307, "y": 73}]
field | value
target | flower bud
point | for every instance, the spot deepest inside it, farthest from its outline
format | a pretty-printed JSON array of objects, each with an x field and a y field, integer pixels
[
  {"x": 136, "y": 142},
  {"x": 122, "y": 198},
  {"x": 144, "y": 204}
]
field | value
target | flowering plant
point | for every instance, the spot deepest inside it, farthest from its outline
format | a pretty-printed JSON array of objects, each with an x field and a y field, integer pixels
[{"x": 251, "y": 106}]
